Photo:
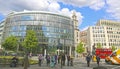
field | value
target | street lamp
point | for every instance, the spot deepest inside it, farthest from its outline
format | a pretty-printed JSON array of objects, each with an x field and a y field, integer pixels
[
  {"x": 18, "y": 46},
  {"x": 63, "y": 46}
]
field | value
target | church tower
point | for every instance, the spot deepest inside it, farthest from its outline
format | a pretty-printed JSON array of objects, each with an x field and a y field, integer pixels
[{"x": 76, "y": 32}]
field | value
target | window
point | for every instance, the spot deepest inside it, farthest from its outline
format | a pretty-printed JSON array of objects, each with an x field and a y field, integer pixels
[{"x": 27, "y": 17}]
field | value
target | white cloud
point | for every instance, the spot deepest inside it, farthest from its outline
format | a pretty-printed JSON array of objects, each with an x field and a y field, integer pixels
[
  {"x": 79, "y": 3},
  {"x": 113, "y": 6},
  {"x": 54, "y": 7},
  {"x": 40, "y": 5},
  {"x": 93, "y": 4},
  {"x": 97, "y": 4},
  {"x": 67, "y": 12},
  {"x": 114, "y": 9},
  {"x": 7, "y": 6}
]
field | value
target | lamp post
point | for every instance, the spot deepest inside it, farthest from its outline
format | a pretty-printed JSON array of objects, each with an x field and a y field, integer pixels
[
  {"x": 18, "y": 46},
  {"x": 63, "y": 46}
]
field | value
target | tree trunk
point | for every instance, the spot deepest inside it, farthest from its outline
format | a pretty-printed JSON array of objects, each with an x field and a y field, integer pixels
[{"x": 26, "y": 62}]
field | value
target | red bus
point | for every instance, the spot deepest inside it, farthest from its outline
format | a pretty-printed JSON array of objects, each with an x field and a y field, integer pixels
[{"x": 103, "y": 53}]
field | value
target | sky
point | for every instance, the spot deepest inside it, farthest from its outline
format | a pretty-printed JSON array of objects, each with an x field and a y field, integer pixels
[{"x": 87, "y": 11}]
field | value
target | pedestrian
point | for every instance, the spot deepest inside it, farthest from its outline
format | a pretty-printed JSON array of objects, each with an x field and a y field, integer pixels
[
  {"x": 30, "y": 55},
  {"x": 14, "y": 61},
  {"x": 52, "y": 61},
  {"x": 68, "y": 60},
  {"x": 40, "y": 57},
  {"x": 58, "y": 59},
  {"x": 98, "y": 60},
  {"x": 63, "y": 59},
  {"x": 48, "y": 59},
  {"x": 88, "y": 59}
]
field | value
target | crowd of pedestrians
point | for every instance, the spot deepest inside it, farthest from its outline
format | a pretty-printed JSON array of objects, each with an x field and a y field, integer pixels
[{"x": 53, "y": 59}]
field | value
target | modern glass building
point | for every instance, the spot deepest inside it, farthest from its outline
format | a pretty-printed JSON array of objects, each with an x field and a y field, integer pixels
[
  {"x": 1, "y": 32},
  {"x": 54, "y": 31}
]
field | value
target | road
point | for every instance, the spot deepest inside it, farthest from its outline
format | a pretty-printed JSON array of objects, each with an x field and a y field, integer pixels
[{"x": 78, "y": 64}]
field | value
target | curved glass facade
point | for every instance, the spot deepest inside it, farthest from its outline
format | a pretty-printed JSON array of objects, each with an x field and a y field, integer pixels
[{"x": 52, "y": 30}]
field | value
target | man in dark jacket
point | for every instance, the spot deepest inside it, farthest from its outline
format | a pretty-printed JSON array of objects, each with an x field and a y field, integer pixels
[
  {"x": 63, "y": 59},
  {"x": 68, "y": 60},
  {"x": 98, "y": 59},
  {"x": 14, "y": 61},
  {"x": 88, "y": 59}
]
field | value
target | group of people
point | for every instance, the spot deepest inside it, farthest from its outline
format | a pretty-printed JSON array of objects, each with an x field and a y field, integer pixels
[
  {"x": 53, "y": 59},
  {"x": 89, "y": 57}
]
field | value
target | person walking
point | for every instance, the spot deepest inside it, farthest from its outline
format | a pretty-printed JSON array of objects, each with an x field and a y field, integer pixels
[
  {"x": 63, "y": 59},
  {"x": 88, "y": 59},
  {"x": 40, "y": 57},
  {"x": 58, "y": 59},
  {"x": 98, "y": 60},
  {"x": 68, "y": 60},
  {"x": 52, "y": 61},
  {"x": 48, "y": 59}
]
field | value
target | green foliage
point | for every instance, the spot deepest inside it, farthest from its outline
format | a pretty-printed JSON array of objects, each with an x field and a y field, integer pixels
[
  {"x": 99, "y": 45},
  {"x": 80, "y": 48},
  {"x": 7, "y": 59},
  {"x": 33, "y": 61},
  {"x": 52, "y": 49},
  {"x": 113, "y": 48},
  {"x": 10, "y": 43},
  {"x": 30, "y": 42}
]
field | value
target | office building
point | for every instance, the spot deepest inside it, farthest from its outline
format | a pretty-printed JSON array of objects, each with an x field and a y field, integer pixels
[
  {"x": 106, "y": 33},
  {"x": 52, "y": 29}
]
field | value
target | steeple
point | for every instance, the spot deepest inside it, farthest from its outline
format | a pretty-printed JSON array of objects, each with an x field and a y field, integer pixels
[
  {"x": 74, "y": 17},
  {"x": 75, "y": 21}
]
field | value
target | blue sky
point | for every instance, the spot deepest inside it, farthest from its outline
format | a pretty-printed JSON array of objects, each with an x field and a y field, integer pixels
[{"x": 88, "y": 12}]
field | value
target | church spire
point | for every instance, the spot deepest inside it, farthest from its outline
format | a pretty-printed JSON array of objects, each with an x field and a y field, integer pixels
[{"x": 75, "y": 21}]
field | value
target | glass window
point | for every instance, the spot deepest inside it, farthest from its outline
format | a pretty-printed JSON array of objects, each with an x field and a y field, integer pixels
[
  {"x": 14, "y": 28},
  {"x": 27, "y": 17},
  {"x": 22, "y": 28}
]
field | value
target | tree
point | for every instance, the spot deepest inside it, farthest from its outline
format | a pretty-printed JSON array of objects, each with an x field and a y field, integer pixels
[
  {"x": 10, "y": 43},
  {"x": 99, "y": 45},
  {"x": 113, "y": 48},
  {"x": 80, "y": 48},
  {"x": 30, "y": 43}
]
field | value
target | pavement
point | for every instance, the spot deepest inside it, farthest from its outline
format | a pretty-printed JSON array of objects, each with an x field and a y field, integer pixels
[
  {"x": 44, "y": 66},
  {"x": 78, "y": 63}
]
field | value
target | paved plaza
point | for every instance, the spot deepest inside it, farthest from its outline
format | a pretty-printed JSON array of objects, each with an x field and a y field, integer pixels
[{"x": 79, "y": 63}]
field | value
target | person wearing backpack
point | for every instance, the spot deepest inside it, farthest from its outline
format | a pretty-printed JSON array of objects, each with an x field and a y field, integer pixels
[
  {"x": 98, "y": 60},
  {"x": 88, "y": 59}
]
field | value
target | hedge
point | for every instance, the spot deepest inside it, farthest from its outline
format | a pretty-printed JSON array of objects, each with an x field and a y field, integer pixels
[{"x": 7, "y": 59}]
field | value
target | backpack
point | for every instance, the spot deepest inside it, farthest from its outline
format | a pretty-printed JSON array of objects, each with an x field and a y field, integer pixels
[{"x": 88, "y": 58}]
